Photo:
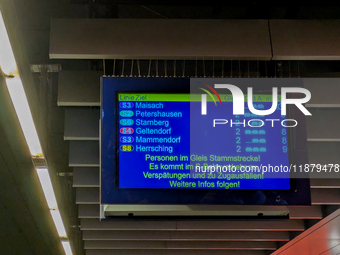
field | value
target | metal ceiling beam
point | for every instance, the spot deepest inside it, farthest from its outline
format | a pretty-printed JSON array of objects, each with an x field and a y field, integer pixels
[
  {"x": 87, "y": 196},
  {"x": 325, "y": 183},
  {"x": 185, "y": 235},
  {"x": 84, "y": 154},
  {"x": 190, "y": 225},
  {"x": 81, "y": 124},
  {"x": 324, "y": 153},
  {"x": 89, "y": 211},
  {"x": 295, "y": 212},
  {"x": 159, "y": 39},
  {"x": 194, "y": 38},
  {"x": 179, "y": 245},
  {"x": 171, "y": 252},
  {"x": 79, "y": 88},
  {"x": 325, "y": 196},
  {"x": 201, "y": 3},
  {"x": 305, "y": 39},
  {"x": 86, "y": 177},
  {"x": 305, "y": 212}
]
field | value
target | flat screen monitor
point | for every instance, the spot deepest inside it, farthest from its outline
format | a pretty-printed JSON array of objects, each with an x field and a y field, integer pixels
[{"x": 163, "y": 142}]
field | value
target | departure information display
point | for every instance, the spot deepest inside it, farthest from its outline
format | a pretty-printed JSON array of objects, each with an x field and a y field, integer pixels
[{"x": 165, "y": 142}]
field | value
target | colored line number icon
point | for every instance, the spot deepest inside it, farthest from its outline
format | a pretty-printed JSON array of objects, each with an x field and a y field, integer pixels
[
  {"x": 126, "y": 139},
  {"x": 126, "y": 131},
  {"x": 126, "y": 113},
  {"x": 126, "y": 148},
  {"x": 126, "y": 105}
]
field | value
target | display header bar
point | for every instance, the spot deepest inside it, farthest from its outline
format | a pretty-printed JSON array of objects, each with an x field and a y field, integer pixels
[{"x": 188, "y": 97}]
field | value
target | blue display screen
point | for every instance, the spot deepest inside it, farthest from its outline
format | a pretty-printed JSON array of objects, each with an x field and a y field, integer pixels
[{"x": 165, "y": 142}]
